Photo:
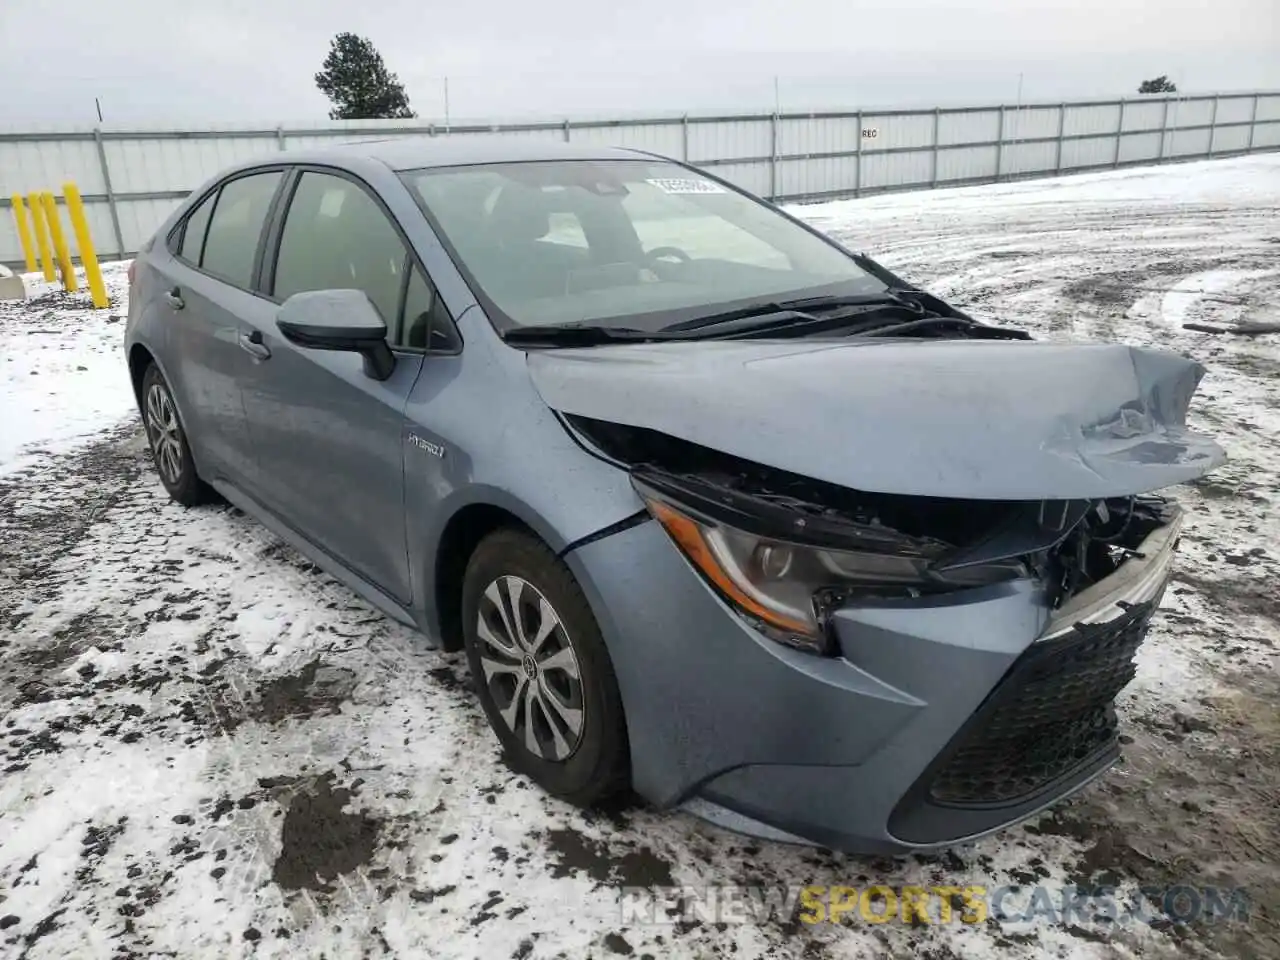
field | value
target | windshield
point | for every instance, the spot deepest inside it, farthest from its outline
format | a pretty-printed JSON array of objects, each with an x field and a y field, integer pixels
[{"x": 633, "y": 243}]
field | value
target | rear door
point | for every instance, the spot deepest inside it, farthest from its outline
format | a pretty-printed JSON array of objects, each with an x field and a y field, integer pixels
[
  {"x": 329, "y": 438},
  {"x": 209, "y": 277}
]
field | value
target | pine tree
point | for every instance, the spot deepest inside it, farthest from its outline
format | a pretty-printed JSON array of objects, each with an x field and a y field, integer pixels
[
  {"x": 358, "y": 83},
  {"x": 1160, "y": 84}
]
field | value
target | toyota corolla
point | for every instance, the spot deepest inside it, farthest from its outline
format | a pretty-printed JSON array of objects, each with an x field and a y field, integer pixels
[{"x": 720, "y": 512}]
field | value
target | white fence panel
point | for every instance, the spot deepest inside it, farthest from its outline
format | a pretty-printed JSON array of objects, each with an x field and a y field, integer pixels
[
  {"x": 1091, "y": 118},
  {"x": 732, "y": 139},
  {"x": 1230, "y": 139},
  {"x": 1022, "y": 159},
  {"x": 34, "y": 165},
  {"x": 967, "y": 163},
  {"x": 1234, "y": 110},
  {"x": 1029, "y": 123},
  {"x": 139, "y": 220},
  {"x": 131, "y": 179},
  {"x": 1136, "y": 147},
  {"x": 1141, "y": 115},
  {"x": 1090, "y": 152},
  {"x": 818, "y": 176},
  {"x": 1266, "y": 135},
  {"x": 155, "y": 166},
  {"x": 1188, "y": 143},
  {"x": 811, "y": 135},
  {"x": 884, "y": 170},
  {"x": 896, "y": 131},
  {"x": 974, "y": 127},
  {"x": 1190, "y": 113},
  {"x": 1268, "y": 107}
]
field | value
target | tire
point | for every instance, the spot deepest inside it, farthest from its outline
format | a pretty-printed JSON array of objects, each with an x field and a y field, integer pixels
[
  {"x": 170, "y": 450},
  {"x": 583, "y": 766}
]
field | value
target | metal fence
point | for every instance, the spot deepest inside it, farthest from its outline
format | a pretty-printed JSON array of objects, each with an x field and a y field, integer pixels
[{"x": 132, "y": 178}]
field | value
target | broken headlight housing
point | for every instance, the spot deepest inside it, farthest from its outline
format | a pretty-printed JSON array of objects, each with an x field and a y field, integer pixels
[{"x": 784, "y": 579}]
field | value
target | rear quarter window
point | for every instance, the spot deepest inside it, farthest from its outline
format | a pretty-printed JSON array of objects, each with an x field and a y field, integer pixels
[{"x": 193, "y": 231}]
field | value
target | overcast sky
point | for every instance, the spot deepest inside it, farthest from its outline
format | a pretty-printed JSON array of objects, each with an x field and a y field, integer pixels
[{"x": 152, "y": 61}]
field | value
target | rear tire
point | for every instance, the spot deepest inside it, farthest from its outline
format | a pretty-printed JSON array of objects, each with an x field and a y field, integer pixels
[
  {"x": 169, "y": 447},
  {"x": 542, "y": 671}
]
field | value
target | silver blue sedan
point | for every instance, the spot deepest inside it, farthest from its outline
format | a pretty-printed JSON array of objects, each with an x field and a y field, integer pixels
[{"x": 721, "y": 512}]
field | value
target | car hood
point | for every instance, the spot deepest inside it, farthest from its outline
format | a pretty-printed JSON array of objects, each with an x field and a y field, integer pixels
[{"x": 995, "y": 420}]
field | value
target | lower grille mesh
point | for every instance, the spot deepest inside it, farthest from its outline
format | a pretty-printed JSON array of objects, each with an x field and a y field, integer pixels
[{"x": 1053, "y": 712}]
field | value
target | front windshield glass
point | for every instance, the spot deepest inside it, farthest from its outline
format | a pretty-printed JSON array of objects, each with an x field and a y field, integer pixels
[{"x": 622, "y": 243}]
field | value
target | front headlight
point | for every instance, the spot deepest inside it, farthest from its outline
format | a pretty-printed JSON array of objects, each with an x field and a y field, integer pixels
[{"x": 783, "y": 587}]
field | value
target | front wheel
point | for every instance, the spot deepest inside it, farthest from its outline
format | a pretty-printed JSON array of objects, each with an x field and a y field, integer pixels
[
  {"x": 542, "y": 671},
  {"x": 169, "y": 447}
]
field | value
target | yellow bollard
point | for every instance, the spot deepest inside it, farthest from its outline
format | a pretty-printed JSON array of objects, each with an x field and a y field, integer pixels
[
  {"x": 88, "y": 259},
  {"x": 36, "y": 207},
  {"x": 24, "y": 233},
  {"x": 69, "y": 282}
]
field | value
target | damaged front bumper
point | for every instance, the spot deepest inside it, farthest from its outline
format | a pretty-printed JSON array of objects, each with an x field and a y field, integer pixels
[
  {"x": 1049, "y": 725},
  {"x": 857, "y": 619},
  {"x": 935, "y": 717}
]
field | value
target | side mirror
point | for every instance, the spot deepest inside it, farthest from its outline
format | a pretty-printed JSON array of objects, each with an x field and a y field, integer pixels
[{"x": 338, "y": 320}]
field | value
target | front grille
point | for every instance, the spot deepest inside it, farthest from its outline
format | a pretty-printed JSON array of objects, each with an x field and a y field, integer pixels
[{"x": 1052, "y": 713}]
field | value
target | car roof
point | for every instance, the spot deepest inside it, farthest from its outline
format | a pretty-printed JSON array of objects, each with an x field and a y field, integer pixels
[{"x": 411, "y": 153}]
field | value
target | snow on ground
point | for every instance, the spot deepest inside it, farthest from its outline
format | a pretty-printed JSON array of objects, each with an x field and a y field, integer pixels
[
  {"x": 211, "y": 749},
  {"x": 60, "y": 373}
]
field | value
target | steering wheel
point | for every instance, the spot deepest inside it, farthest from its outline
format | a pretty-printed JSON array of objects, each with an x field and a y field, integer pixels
[{"x": 657, "y": 253}]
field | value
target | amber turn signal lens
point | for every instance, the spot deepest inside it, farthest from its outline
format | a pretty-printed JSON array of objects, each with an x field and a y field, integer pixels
[{"x": 689, "y": 537}]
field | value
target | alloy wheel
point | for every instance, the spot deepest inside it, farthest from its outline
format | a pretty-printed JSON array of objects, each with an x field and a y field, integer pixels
[
  {"x": 164, "y": 433},
  {"x": 530, "y": 668}
]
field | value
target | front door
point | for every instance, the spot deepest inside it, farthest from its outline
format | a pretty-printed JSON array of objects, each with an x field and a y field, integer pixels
[{"x": 329, "y": 438}]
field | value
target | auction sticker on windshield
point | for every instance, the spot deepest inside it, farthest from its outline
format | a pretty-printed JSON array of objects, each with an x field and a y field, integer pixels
[{"x": 675, "y": 185}]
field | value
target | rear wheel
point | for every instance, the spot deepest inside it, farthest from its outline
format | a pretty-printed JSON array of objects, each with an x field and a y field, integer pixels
[
  {"x": 169, "y": 447},
  {"x": 541, "y": 669}
]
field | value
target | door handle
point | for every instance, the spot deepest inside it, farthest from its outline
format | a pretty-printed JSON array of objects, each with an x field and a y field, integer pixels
[
  {"x": 174, "y": 297},
  {"x": 251, "y": 343}
]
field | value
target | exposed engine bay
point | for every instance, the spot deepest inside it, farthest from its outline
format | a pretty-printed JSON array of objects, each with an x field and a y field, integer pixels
[
  {"x": 1068, "y": 545},
  {"x": 1102, "y": 541}
]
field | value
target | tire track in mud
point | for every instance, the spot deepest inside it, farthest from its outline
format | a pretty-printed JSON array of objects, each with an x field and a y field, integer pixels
[
  {"x": 298, "y": 688},
  {"x": 332, "y": 872},
  {"x": 228, "y": 683}
]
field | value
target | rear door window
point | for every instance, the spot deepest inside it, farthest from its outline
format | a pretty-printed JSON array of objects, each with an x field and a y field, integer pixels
[{"x": 231, "y": 243}]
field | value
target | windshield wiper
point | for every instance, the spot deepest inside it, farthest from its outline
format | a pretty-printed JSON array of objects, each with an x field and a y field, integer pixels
[
  {"x": 787, "y": 311},
  {"x": 963, "y": 325},
  {"x": 577, "y": 335},
  {"x": 775, "y": 317},
  {"x": 755, "y": 318}
]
